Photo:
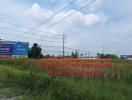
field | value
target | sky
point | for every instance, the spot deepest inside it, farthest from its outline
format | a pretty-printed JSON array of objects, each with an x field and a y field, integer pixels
[{"x": 104, "y": 26}]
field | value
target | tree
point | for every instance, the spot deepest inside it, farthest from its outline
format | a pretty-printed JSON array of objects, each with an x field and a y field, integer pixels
[
  {"x": 47, "y": 56},
  {"x": 35, "y": 51},
  {"x": 98, "y": 55},
  {"x": 112, "y": 56},
  {"x": 102, "y": 55},
  {"x": 74, "y": 55}
]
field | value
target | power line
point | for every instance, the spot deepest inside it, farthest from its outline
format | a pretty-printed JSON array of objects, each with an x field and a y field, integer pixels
[
  {"x": 34, "y": 28},
  {"x": 27, "y": 37},
  {"x": 26, "y": 27},
  {"x": 48, "y": 40},
  {"x": 54, "y": 41},
  {"x": 71, "y": 45},
  {"x": 75, "y": 43},
  {"x": 53, "y": 15},
  {"x": 82, "y": 49},
  {"x": 50, "y": 26},
  {"x": 22, "y": 27},
  {"x": 38, "y": 40},
  {"x": 10, "y": 29},
  {"x": 70, "y": 14},
  {"x": 33, "y": 38},
  {"x": 69, "y": 48}
]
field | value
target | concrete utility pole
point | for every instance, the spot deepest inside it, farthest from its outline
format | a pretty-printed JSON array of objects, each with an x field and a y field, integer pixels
[{"x": 64, "y": 39}]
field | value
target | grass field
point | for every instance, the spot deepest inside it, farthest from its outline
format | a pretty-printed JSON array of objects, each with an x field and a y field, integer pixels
[{"x": 21, "y": 79}]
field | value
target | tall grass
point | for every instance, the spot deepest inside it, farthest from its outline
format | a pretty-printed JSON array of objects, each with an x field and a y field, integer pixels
[{"x": 36, "y": 84}]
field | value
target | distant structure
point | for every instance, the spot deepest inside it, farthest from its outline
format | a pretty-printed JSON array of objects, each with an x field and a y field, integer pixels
[
  {"x": 87, "y": 55},
  {"x": 126, "y": 57},
  {"x": 83, "y": 55}
]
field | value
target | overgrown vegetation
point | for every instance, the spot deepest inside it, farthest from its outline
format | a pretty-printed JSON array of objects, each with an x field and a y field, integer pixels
[
  {"x": 112, "y": 56},
  {"x": 31, "y": 83}
]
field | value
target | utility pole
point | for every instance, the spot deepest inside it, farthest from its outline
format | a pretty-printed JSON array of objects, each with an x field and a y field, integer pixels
[{"x": 64, "y": 38}]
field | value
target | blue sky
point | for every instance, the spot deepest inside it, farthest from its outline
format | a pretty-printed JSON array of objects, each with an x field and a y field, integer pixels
[{"x": 103, "y": 26}]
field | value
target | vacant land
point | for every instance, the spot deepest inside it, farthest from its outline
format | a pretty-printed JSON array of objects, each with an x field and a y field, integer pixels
[{"x": 21, "y": 79}]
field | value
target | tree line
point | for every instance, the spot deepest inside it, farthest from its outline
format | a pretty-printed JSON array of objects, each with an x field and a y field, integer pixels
[{"x": 36, "y": 52}]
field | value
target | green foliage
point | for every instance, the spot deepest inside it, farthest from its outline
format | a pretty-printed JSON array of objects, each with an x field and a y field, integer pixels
[
  {"x": 49, "y": 56},
  {"x": 74, "y": 55},
  {"x": 112, "y": 56},
  {"x": 35, "y": 51},
  {"x": 34, "y": 84}
]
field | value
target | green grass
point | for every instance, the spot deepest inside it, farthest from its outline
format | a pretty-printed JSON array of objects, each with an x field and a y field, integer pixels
[{"x": 24, "y": 79}]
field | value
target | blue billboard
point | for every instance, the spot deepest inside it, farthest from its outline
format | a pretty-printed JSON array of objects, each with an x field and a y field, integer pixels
[
  {"x": 15, "y": 49},
  {"x": 6, "y": 48}
]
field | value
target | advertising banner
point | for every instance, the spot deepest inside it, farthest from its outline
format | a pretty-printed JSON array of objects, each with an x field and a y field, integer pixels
[
  {"x": 6, "y": 49},
  {"x": 10, "y": 49}
]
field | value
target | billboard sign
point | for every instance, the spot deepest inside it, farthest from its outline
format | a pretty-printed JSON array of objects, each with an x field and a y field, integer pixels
[
  {"x": 6, "y": 49},
  {"x": 14, "y": 49}
]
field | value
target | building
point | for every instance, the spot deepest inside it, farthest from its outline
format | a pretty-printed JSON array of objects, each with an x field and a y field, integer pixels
[
  {"x": 87, "y": 55},
  {"x": 126, "y": 57}
]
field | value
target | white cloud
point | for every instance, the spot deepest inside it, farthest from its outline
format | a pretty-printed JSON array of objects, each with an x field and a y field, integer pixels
[
  {"x": 37, "y": 12},
  {"x": 89, "y": 19},
  {"x": 78, "y": 19},
  {"x": 102, "y": 24}
]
